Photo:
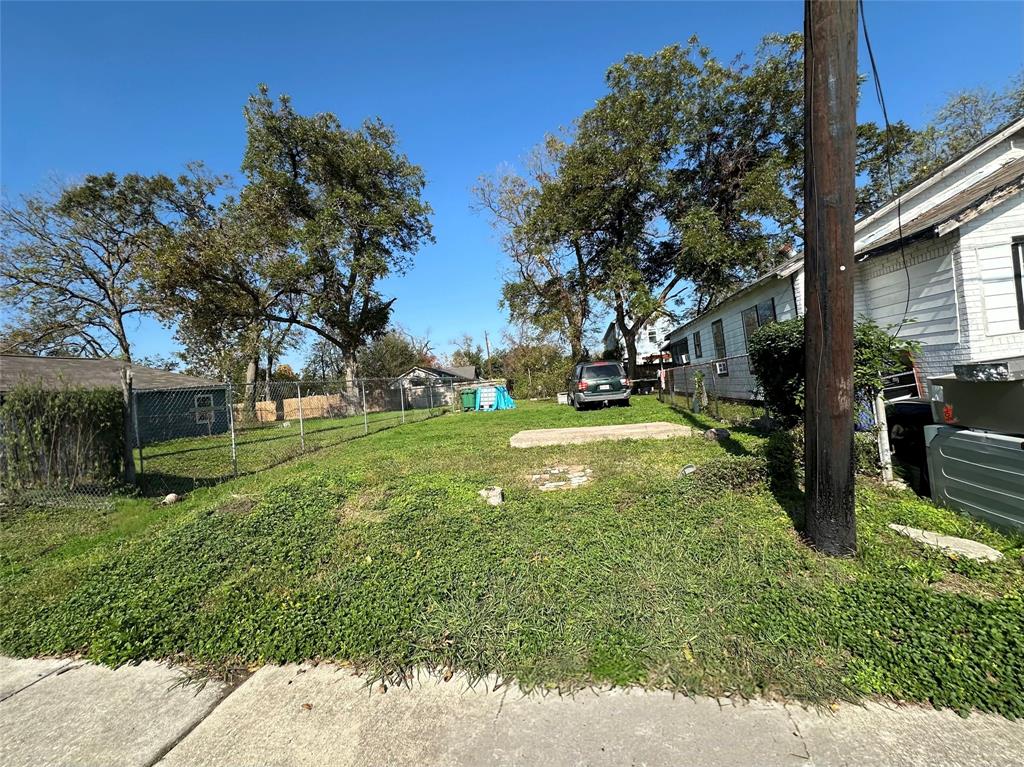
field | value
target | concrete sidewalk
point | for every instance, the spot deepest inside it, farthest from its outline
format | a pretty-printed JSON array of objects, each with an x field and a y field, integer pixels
[{"x": 77, "y": 714}]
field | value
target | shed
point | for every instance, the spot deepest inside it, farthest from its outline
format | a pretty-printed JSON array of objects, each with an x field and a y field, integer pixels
[{"x": 168, "y": 405}]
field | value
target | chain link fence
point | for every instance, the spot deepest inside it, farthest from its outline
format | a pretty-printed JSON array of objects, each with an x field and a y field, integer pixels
[
  {"x": 704, "y": 386},
  {"x": 193, "y": 437}
]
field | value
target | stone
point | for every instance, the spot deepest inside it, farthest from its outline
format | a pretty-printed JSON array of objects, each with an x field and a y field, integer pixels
[
  {"x": 950, "y": 545},
  {"x": 686, "y": 470},
  {"x": 493, "y": 495},
  {"x": 716, "y": 435},
  {"x": 559, "y": 477},
  {"x": 170, "y": 498}
]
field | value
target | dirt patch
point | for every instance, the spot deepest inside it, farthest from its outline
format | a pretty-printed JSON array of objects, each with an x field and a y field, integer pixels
[
  {"x": 561, "y": 477},
  {"x": 367, "y": 505},
  {"x": 238, "y": 505},
  {"x": 955, "y": 583}
]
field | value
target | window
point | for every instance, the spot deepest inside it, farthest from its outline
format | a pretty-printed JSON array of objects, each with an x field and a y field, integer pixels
[
  {"x": 756, "y": 316},
  {"x": 602, "y": 370},
  {"x": 718, "y": 336},
  {"x": 680, "y": 349},
  {"x": 204, "y": 408},
  {"x": 766, "y": 312},
  {"x": 652, "y": 336},
  {"x": 1017, "y": 254},
  {"x": 697, "y": 351}
]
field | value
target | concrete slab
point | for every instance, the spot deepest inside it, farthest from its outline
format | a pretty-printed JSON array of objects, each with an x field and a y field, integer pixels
[
  {"x": 909, "y": 735},
  {"x": 93, "y": 715},
  {"x": 950, "y": 544},
  {"x": 300, "y": 716},
  {"x": 582, "y": 434},
  {"x": 327, "y": 716},
  {"x": 18, "y": 673}
]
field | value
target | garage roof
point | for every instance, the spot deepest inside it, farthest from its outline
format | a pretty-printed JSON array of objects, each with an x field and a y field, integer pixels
[{"x": 57, "y": 372}]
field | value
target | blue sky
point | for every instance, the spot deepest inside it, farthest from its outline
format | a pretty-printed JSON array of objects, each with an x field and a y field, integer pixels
[{"x": 147, "y": 87}]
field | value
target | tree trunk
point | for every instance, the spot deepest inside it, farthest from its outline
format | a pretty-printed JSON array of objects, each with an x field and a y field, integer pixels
[
  {"x": 628, "y": 338},
  {"x": 268, "y": 396},
  {"x": 249, "y": 397},
  {"x": 128, "y": 449}
]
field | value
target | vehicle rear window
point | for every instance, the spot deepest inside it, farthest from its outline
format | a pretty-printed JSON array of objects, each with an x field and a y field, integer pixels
[{"x": 611, "y": 370}]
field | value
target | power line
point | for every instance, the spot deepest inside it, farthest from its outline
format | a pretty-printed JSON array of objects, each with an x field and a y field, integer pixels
[{"x": 889, "y": 151}]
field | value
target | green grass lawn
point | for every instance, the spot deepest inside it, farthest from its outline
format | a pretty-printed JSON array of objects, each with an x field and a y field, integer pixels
[
  {"x": 182, "y": 465},
  {"x": 379, "y": 551}
]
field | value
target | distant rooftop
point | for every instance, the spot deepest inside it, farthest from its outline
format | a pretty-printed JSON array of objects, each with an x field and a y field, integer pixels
[{"x": 57, "y": 372}]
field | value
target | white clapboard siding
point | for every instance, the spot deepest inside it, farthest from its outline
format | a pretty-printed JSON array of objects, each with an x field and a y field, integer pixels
[
  {"x": 931, "y": 315},
  {"x": 987, "y": 248}
]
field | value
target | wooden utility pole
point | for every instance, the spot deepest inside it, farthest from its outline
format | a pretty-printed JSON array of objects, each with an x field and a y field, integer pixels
[
  {"x": 487, "y": 345},
  {"x": 830, "y": 133}
]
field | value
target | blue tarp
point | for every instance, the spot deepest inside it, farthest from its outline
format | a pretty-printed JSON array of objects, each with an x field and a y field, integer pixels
[{"x": 502, "y": 400}]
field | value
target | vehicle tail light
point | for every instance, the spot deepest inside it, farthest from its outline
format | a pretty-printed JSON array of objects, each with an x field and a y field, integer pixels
[{"x": 582, "y": 386}]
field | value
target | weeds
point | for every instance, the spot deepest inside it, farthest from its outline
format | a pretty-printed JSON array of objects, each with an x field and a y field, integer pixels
[{"x": 381, "y": 553}]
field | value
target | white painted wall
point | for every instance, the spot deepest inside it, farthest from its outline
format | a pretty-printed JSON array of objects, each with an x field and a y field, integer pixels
[
  {"x": 988, "y": 271},
  {"x": 739, "y": 383},
  {"x": 645, "y": 347}
]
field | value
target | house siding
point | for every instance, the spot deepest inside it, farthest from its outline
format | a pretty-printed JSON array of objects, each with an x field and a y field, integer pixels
[
  {"x": 962, "y": 300},
  {"x": 986, "y": 254}
]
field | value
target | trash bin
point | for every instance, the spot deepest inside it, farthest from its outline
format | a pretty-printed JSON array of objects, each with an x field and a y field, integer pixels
[
  {"x": 468, "y": 397},
  {"x": 907, "y": 419}
]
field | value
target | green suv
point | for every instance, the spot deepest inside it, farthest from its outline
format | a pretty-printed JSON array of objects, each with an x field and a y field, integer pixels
[{"x": 599, "y": 383}]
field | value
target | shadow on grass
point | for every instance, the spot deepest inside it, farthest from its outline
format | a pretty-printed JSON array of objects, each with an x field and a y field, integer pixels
[
  {"x": 161, "y": 482},
  {"x": 781, "y": 456}
]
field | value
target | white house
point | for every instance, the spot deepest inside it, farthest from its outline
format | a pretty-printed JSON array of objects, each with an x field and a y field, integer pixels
[
  {"x": 955, "y": 286},
  {"x": 649, "y": 340}
]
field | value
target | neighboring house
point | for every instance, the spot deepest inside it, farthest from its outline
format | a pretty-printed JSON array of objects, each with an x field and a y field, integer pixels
[
  {"x": 422, "y": 375},
  {"x": 428, "y": 387},
  {"x": 648, "y": 341},
  {"x": 167, "y": 405},
  {"x": 955, "y": 286}
]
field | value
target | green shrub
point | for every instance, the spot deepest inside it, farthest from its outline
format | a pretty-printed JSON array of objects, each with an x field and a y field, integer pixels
[
  {"x": 60, "y": 439},
  {"x": 784, "y": 456},
  {"x": 778, "y": 363},
  {"x": 865, "y": 453}
]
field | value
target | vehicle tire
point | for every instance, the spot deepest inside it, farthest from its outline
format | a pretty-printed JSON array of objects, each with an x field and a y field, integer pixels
[{"x": 576, "y": 405}]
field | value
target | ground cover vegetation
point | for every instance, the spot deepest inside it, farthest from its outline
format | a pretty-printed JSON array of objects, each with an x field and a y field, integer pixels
[{"x": 380, "y": 552}]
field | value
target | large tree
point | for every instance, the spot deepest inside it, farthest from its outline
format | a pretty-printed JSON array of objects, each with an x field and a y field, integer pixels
[
  {"x": 70, "y": 270},
  {"x": 347, "y": 208},
  {"x": 551, "y": 283},
  {"x": 393, "y": 353}
]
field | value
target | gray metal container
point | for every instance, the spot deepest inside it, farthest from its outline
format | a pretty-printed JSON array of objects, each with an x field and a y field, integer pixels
[
  {"x": 993, "y": 405},
  {"x": 978, "y": 472}
]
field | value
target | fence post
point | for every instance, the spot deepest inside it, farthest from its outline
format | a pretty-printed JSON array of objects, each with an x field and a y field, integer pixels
[
  {"x": 229, "y": 401},
  {"x": 882, "y": 427},
  {"x": 138, "y": 442},
  {"x": 430, "y": 394},
  {"x": 366, "y": 424},
  {"x": 401, "y": 397},
  {"x": 302, "y": 428}
]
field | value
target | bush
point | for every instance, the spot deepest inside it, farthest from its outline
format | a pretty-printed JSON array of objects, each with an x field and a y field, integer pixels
[
  {"x": 784, "y": 455},
  {"x": 61, "y": 439},
  {"x": 777, "y": 361},
  {"x": 865, "y": 453}
]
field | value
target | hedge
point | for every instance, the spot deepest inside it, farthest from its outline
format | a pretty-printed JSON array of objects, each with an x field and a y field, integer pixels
[{"x": 67, "y": 439}]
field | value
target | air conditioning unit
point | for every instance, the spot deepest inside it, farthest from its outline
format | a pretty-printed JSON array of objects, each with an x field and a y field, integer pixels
[
  {"x": 684, "y": 359},
  {"x": 722, "y": 368}
]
